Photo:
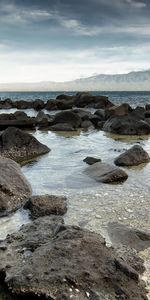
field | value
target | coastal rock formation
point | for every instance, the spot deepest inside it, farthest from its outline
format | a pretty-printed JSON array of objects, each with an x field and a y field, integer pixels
[
  {"x": 20, "y": 146},
  {"x": 105, "y": 173},
  {"x": 14, "y": 188},
  {"x": 126, "y": 125},
  {"x": 54, "y": 261},
  {"x": 91, "y": 160},
  {"x": 132, "y": 157},
  {"x": 46, "y": 205}
]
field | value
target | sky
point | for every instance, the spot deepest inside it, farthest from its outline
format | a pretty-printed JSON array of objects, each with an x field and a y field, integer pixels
[{"x": 61, "y": 40}]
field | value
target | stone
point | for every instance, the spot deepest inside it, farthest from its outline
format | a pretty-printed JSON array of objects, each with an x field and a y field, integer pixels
[
  {"x": 91, "y": 160},
  {"x": 105, "y": 173},
  {"x": 45, "y": 205},
  {"x": 14, "y": 188},
  {"x": 126, "y": 125},
  {"x": 134, "y": 156},
  {"x": 20, "y": 146},
  {"x": 130, "y": 237},
  {"x": 61, "y": 127},
  {"x": 67, "y": 117},
  {"x": 51, "y": 260}
]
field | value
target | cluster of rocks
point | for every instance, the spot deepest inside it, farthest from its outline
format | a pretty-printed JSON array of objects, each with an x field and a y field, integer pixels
[
  {"x": 62, "y": 102},
  {"x": 106, "y": 173},
  {"x": 121, "y": 119}
]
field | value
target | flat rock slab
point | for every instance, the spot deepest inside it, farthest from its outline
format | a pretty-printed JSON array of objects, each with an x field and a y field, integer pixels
[
  {"x": 122, "y": 234},
  {"x": 45, "y": 205},
  {"x": 14, "y": 187},
  {"x": 20, "y": 146},
  {"x": 106, "y": 173},
  {"x": 54, "y": 261},
  {"x": 132, "y": 157}
]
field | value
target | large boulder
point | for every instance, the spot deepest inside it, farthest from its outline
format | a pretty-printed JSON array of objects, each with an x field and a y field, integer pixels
[
  {"x": 126, "y": 125},
  {"x": 88, "y": 100},
  {"x": 67, "y": 117},
  {"x": 38, "y": 104},
  {"x": 14, "y": 188},
  {"x": 20, "y": 146},
  {"x": 105, "y": 173},
  {"x": 132, "y": 157},
  {"x": 45, "y": 205},
  {"x": 122, "y": 110},
  {"x": 23, "y": 104},
  {"x": 49, "y": 260}
]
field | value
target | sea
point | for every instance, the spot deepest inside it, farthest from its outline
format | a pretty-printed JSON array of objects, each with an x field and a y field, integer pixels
[{"x": 91, "y": 205}]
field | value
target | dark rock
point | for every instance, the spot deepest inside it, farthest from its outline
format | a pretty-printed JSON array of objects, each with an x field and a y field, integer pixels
[
  {"x": 95, "y": 120},
  {"x": 45, "y": 205},
  {"x": 21, "y": 115},
  {"x": 106, "y": 173},
  {"x": 38, "y": 104},
  {"x": 63, "y": 97},
  {"x": 147, "y": 107},
  {"x": 61, "y": 127},
  {"x": 147, "y": 114},
  {"x": 132, "y": 157},
  {"x": 51, "y": 105},
  {"x": 87, "y": 124},
  {"x": 87, "y": 100},
  {"x": 101, "y": 113},
  {"x": 14, "y": 188},
  {"x": 91, "y": 160},
  {"x": 122, "y": 110},
  {"x": 68, "y": 117},
  {"x": 6, "y": 104},
  {"x": 65, "y": 104},
  {"x": 126, "y": 125},
  {"x": 55, "y": 261},
  {"x": 138, "y": 113},
  {"x": 20, "y": 146},
  {"x": 131, "y": 237},
  {"x": 28, "y": 123},
  {"x": 22, "y": 104},
  {"x": 83, "y": 114}
]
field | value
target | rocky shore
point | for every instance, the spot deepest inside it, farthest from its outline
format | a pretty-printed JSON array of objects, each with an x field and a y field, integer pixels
[{"x": 47, "y": 259}]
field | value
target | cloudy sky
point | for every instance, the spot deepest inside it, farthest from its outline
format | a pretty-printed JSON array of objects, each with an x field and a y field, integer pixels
[{"x": 60, "y": 40}]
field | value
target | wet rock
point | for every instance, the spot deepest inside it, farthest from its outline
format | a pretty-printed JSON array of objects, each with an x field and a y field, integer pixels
[
  {"x": 22, "y": 104},
  {"x": 20, "y": 146},
  {"x": 45, "y": 205},
  {"x": 57, "y": 266},
  {"x": 88, "y": 100},
  {"x": 126, "y": 125},
  {"x": 14, "y": 188},
  {"x": 87, "y": 124},
  {"x": 51, "y": 105},
  {"x": 67, "y": 117},
  {"x": 132, "y": 157},
  {"x": 147, "y": 114},
  {"x": 91, "y": 160},
  {"x": 20, "y": 115},
  {"x": 122, "y": 110},
  {"x": 6, "y": 104},
  {"x": 131, "y": 237},
  {"x": 61, "y": 127},
  {"x": 38, "y": 104},
  {"x": 105, "y": 173}
]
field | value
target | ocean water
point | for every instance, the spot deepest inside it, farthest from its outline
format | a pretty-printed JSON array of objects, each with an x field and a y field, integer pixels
[
  {"x": 133, "y": 98},
  {"x": 90, "y": 204}
]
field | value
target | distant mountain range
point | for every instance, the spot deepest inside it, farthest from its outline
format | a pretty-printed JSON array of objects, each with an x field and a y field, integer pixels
[{"x": 133, "y": 81}]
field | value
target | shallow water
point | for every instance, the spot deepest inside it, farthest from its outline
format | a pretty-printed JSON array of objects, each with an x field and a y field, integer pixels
[{"x": 90, "y": 204}]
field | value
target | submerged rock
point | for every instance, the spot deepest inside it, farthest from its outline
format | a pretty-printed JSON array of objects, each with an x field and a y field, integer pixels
[
  {"x": 132, "y": 157},
  {"x": 54, "y": 261},
  {"x": 105, "y": 173},
  {"x": 20, "y": 146},
  {"x": 45, "y": 205},
  {"x": 14, "y": 188},
  {"x": 91, "y": 160},
  {"x": 131, "y": 237}
]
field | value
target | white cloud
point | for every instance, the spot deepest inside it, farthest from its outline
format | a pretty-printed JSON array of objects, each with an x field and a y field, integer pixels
[{"x": 136, "y": 4}]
